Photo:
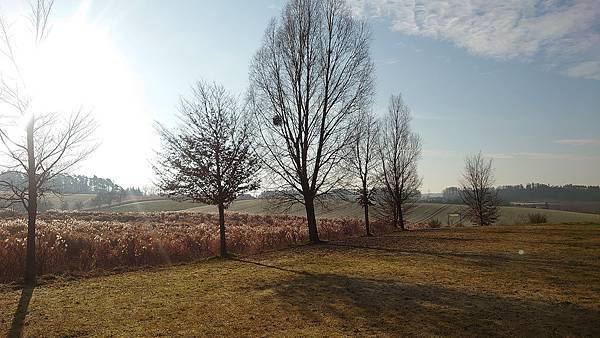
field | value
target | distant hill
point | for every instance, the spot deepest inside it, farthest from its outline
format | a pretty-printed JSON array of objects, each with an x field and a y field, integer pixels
[
  {"x": 570, "y": 197},
  {"x": 76, "y": 192},
  {"x": 336, "y": 209},
  {"x": 69, "y": 184}
]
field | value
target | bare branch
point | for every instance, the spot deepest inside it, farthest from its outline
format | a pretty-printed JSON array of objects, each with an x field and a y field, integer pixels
[
  {"x": 399, "y": 152},
  {"x": 310, "y": 79},
  {"x": 477, "y": 190},
  {"x": 209, "y": 157}
]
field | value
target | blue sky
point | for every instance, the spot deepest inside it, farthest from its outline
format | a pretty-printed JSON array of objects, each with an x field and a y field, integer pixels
[{"x": 526, "y": 91}]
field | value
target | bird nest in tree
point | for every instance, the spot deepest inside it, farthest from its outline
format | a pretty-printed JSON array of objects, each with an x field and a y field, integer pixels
[{"x": 277, "y": 120}]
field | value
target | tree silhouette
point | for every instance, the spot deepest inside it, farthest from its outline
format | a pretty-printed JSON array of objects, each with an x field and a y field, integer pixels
[
  {"x": 400, "y": 150},
  {"x": 477, "y": 190},
  {"x": 363, "y": 161},
  {"x": 310, "y": 79},
  {"x": 50, "y": 145},
  {"x": 209, "y": 157}
]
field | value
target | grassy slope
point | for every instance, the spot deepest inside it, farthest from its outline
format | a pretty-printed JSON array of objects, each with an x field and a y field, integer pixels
[
  {"x": 444, "y": 282},
  {"x": 511, "y": 215},
  {"x": 72, "y": 199},
  {"x": 334, "y": 210},
  {"x": 150, "y": 206},
  {"x": 422, "y": 213}
]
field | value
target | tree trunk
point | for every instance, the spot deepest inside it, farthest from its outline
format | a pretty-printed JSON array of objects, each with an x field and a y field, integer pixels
[
  {"x": 401, "y": 218},
  {"x": 313, "y": 233},
  {"x": 30, "y": 266},
  {"x": 223, "y": 245},
  {"x": 394, "y": 216},
  {"x": 367, "y": 219},
  {"x": 365, "y": 204}
]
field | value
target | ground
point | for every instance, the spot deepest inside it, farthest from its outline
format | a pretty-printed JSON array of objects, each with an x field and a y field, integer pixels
[
  {"x": 422, "y": 213},
  {"x": 497, "y": 281}
]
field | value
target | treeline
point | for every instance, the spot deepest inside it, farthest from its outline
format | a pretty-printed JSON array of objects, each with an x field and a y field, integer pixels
[
  {"x": 536, "y": 192},
  {"x": 544, "y": 192},
  {"x": 105, "y": 190},
  {"x": 79, "y": 184},
  {"x": 75, "y": 184}
]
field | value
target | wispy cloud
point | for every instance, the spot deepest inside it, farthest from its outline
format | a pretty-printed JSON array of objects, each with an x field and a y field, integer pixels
[
  {"x": 581, "y": 142},
  {"x": 564, "y": 35},
  {"x": 544, "y": 156},
  {"x": 589, "y": 69}
]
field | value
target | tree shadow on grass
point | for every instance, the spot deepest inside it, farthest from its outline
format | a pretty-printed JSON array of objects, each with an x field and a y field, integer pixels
[
  {"x": 270, "y": 266},
  {"x": 485, "y": 258},
  {"x": 16, "y": 327},
  {"x": 364, "y": 306}
]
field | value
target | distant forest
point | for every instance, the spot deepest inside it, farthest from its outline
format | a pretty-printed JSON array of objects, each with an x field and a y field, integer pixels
[
  {"x": 537, "y": 192},
  {"x": 543, "y": 192},
  {"x": 76, "y": 184},
  {"x": 105, "y": 190}
]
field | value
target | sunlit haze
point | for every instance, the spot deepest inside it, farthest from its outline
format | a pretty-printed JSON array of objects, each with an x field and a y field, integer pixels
[
  {"x": 311, "y": 168},
  {"x": 521, "y": 100}
]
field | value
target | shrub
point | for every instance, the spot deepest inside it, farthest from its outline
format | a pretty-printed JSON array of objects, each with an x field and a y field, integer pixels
[
  {"x": 434, "y": 223},
  {"x": 79, "y": 242},
  {"x": 537, "y": 218}
]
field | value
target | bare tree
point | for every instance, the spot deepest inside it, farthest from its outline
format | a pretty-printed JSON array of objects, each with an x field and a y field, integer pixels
[
  {"x": 309, "y": 80},
  {"x": 51, "y": 144},
  {"x": 209, "y": 157},
  {"x": 364, "y": 160},
  {"x": 477, "y": 190},
  {"x": 399, "y": 150}
]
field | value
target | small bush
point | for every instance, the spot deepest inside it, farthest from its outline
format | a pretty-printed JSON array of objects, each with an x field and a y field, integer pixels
[
  {"x": 434, "y": 223},
  {"x": 537, "y": 218}
]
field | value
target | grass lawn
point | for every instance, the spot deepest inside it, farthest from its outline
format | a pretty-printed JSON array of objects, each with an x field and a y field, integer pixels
[
  {"x": 505, "y": 280},
  {"x": 150, "y": 206},
  {"x": 336, "y": 209},
  {"x": 421, "y": 214}
]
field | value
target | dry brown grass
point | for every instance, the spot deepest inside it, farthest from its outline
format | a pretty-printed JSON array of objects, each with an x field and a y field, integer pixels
[
  {"x": 459, "y": 282},
  {"x": 81, "y": 242}
]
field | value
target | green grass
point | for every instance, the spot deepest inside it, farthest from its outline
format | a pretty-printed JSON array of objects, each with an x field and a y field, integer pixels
[
  {"x": 422, "y": 213},
  {"x": 508, "y": 215},
  {"x": 261, "y": 207},
  {"x": 512, "y": 215},
  {"x": 56, "y": 202},
  {"x": 150, "y": 206},
  {"x": 467, "y": 281},
  {"x": 72, "y": 199}
]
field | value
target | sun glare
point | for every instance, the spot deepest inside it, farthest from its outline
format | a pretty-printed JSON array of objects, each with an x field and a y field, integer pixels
[
  {"x": 299, "y": 168},
  {"x": 79, "y": 67}
]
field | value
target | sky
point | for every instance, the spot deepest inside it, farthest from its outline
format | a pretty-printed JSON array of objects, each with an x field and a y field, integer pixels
[{"x": 518, "y": 80}]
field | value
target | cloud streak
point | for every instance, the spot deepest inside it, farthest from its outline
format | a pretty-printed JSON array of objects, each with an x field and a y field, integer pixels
[
  {"x": 580, "y": 142},
  {"x": 544, "y": 156},
  {"x": 563, "y": 35}
]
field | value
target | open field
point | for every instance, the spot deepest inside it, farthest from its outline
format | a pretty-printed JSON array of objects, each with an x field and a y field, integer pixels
[
  {"x": 151, "y": 206},
  {"x": 85, "y": 201},
  {"x": 467, "y": 281},
  {"x": 72, "y": 200},
  {"x": 577, "y": 206},
  {"x": 422, "y": 213}
]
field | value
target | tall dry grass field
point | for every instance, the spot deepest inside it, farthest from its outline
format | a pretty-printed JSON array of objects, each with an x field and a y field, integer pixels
[{"x": 75, "y": 243}]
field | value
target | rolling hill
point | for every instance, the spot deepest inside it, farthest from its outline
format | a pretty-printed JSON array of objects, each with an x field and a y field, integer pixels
[{"x": 423, "y": 212}]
